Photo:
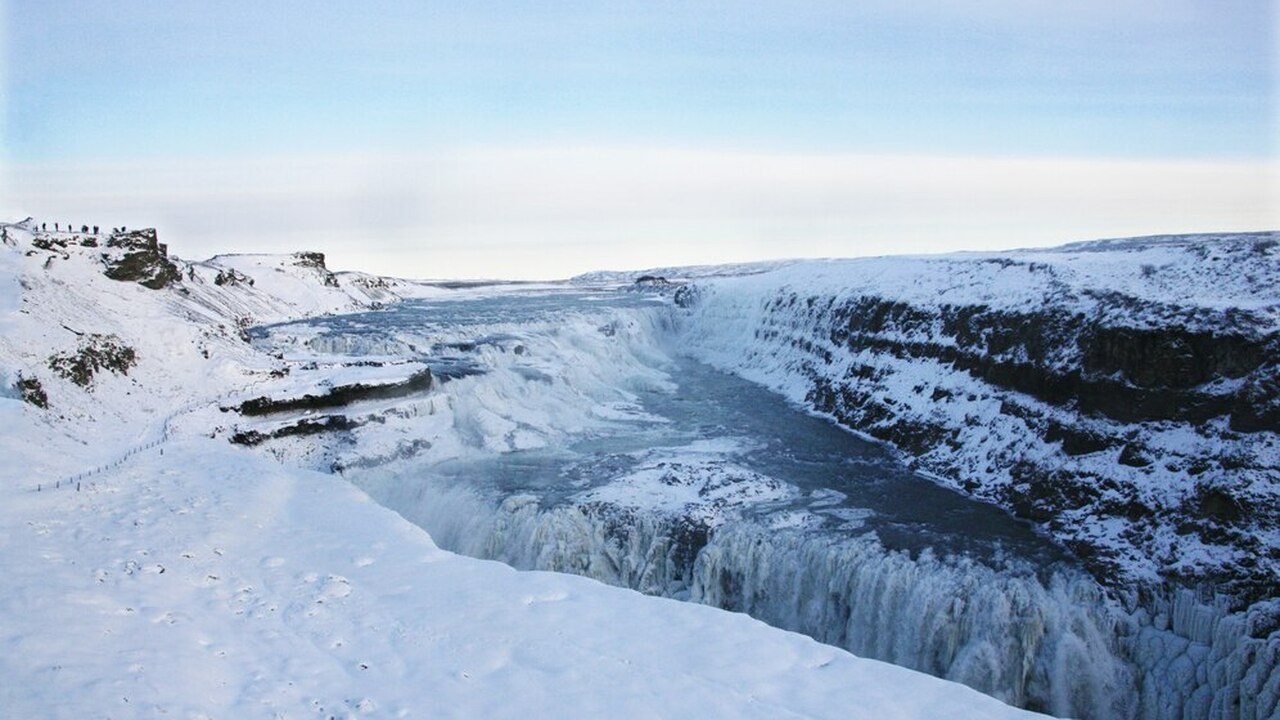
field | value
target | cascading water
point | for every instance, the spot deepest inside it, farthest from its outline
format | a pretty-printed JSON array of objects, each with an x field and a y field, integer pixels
[
  {"x": 1054, "y": 646},
  {"x": 1051, "y": 641},
  {"x": 592, "y": 450},
  {"x": 1048, "y": 646}
]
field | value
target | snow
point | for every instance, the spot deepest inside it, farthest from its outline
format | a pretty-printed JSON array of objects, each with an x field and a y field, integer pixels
[
  {"x": 189, "y": 577},
  {"x": 691, "y": 482},
  {"x": 1188, "y": 270},
  {"x": 684, "y": 272},
  {"x": 207, "y": 582}
]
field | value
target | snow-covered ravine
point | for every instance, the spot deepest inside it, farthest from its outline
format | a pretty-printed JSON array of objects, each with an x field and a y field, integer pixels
[
  {"x": 196, "y": 579},
  {"x": 591, "y": 443},
  {"x": 677, "y": 443}
]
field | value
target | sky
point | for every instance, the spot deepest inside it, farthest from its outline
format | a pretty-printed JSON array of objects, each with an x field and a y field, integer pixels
[{"x": 539, "y": 140}]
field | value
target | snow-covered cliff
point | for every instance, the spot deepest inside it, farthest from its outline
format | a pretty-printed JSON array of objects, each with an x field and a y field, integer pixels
[{"x": 1123, "y": 393}]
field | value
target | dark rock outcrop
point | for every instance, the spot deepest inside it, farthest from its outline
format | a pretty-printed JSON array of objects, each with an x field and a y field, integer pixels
[
  {"x": 1256, "y": 406},
  {"x": 651, "y": 281},
  {"x": 137, "y": 256},
  {"x": 48, "y": 242},
  {"x": 315, "y": 260},
  {"x": 95, "y": 354},
  {"x": 1123, "y": 373},
  {"x": 32, "y": 392},
  {"x": 306, "y": 426},
  {"x": 233, "y": 277},
  {"x": 686, "y": 296},
  {"x": 339, "y": 396}
]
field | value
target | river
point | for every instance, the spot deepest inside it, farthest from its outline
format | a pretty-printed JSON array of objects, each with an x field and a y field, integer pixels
[{"x": 606, "y": 449}]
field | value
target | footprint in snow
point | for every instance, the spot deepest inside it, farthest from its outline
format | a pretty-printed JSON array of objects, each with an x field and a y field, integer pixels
[
  {"x": 546, "y": 597},
  {"x": 334, "y": 587}
]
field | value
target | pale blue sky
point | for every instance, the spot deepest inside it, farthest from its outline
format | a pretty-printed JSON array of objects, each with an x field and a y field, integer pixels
[{"x": 125, "y": 84}]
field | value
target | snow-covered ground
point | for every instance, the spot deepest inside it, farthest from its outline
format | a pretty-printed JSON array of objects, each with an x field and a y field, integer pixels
[
  {"x": 207, "y": 582},
  {"x": 193, "y": 578},
  {"x": 682, "y": 273}
]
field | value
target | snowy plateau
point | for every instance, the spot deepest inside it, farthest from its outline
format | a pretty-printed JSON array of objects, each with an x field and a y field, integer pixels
[{"x": 975, "y": 485}]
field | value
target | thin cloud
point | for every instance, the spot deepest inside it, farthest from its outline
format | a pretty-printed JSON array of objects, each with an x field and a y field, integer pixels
[{"x": 554, "y": 211}]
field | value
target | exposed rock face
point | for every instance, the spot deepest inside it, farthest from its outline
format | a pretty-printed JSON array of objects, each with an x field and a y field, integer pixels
[
  {"x": 95, "y": 354},
  {"x": 1111, "y": 379},
  {"x": 651, "y": 281},
  {"x": 338, "y": 396},
  {"x": 137, "y": 256},
  {"x": 232, "y": 277},
  {"x": 306, "y": 426},
  {"x": 1124, "y": 373},
  {"x": 316, "y": 260},
  {"x": 1142, "y": 434},
  {"x": 1128, "y": 374},
  {"x": 46, "y": 242},
  {"x": 686, "y": 296},
  {"x": 32, "y": 392}
]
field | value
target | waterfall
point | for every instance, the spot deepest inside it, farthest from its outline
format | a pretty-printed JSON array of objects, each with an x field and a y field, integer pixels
[
  {"x": 1048, "y": 645},
  {"x": 1049, "y": 639}
]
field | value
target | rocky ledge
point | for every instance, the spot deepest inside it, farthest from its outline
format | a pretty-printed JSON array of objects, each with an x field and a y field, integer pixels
[
  {"x": 338, "y": 396},
  {"x": 138, "y": 256}
]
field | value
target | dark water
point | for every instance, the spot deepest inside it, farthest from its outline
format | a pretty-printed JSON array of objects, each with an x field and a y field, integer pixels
[{"x": 841, "y": 475}]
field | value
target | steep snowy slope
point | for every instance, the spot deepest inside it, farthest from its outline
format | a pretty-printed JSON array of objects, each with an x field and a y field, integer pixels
[
  {"x": 114, "y": 358},
  {"x": 151, "y": 570},
  {"x": 1123, "y": 394}
]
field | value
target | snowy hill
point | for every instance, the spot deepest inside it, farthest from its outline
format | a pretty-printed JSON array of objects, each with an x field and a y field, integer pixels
[
  {"x": 153, "y": 569},
  {"x": 183, "y": 331}
]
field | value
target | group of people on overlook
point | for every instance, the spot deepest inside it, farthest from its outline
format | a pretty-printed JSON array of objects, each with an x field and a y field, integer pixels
[{"x": 57, "y": 227}]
